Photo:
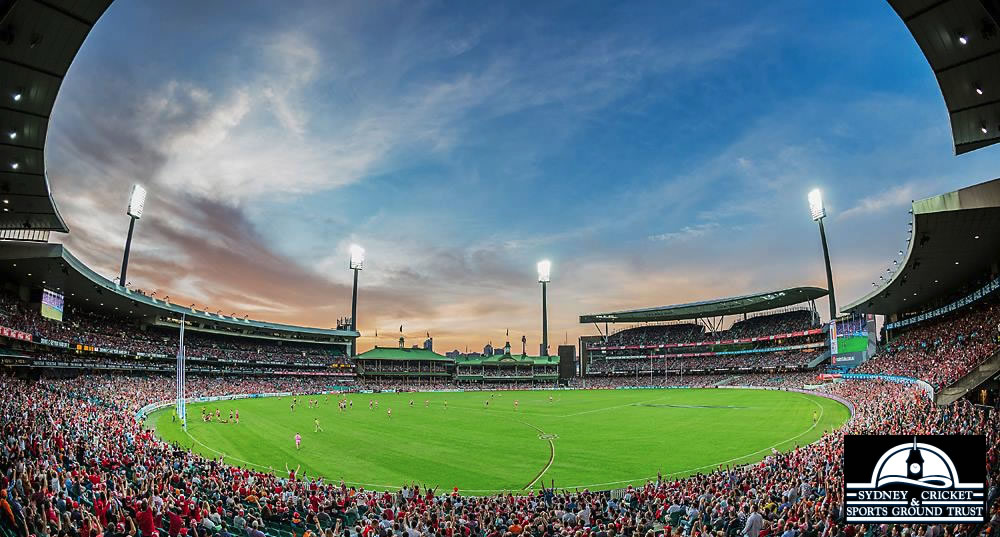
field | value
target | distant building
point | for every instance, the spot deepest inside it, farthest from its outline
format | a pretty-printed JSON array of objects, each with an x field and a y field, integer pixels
[
  {"x": 488, "y": 350},
  {"x": 453, "y": 354},
  {"x": 429, "y": 344}
]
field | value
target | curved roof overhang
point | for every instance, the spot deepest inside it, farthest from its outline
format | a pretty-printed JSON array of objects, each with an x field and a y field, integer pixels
[
  {"x": 955, "y": 238},
  {"x": 38, "y": 41},
  {"x": 960, "y": 40},
  {"x": 51, "y": 266},
  {"x": 711, "y": 308}
]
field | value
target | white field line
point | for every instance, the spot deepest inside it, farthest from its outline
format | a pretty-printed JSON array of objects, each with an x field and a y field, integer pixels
[
  {"x": 609, "y": 408},
  {"x": 821, "y": 411}
]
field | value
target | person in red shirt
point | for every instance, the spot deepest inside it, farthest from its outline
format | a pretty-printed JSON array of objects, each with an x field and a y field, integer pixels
[
  {"x": 176, "y": 522},
  {"x": 144, "y": 517}
]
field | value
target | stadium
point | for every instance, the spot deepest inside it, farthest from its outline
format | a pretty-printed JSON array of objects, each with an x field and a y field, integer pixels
[{"x": 126, "y": 413}]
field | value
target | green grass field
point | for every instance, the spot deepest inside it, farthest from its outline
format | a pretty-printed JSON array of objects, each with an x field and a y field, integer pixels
[
  {"x": 852, "y": 344},
  {"x": 595, "y": 439}
]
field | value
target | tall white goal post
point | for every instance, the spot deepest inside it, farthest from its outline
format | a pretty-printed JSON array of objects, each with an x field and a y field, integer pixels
[{"x": 181, "y": 404}]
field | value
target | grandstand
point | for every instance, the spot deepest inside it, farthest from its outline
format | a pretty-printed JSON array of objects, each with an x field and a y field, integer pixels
[
  {"x": 941, "y": 305},
  {"x": 98, "y": 324},
  {"x": 777, "y": 330}
]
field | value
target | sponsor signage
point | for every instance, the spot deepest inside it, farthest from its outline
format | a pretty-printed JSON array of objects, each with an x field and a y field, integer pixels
[
  {"x": 962, "y": 302},
  {"x": 14, "y": 334},
  {"x": 802, "y": 333},
  {"x": 915, "y": 479}
]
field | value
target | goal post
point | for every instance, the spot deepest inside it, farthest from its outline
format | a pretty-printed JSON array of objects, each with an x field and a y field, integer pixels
[{"x": 181, "y": 404}]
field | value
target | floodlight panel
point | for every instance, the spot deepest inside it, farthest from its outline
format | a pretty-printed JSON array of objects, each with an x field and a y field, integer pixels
[
  {"x": 544, "y": 271},
  {"x": 357, "y": 257},
  {"x": 137, "y": 201},
  {"x": 816, "y": 204}
]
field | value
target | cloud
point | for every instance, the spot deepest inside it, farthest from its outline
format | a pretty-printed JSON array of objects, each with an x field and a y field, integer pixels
[
  {"x": 686, "y": 233},
  {"x": 892, "y": 198}
]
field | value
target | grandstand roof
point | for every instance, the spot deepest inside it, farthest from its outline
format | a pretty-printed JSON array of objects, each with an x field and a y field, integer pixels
[
  {"x": 711, "y": 308},
  {"x": 402, "y": 353},
  {"x": 40, "y": 40},
  {"x": 956, "y": 238},
  {"x": 52, "y": 266},
  {"x": 939, "y": 27},
  {"x": 509, "y": 359}
]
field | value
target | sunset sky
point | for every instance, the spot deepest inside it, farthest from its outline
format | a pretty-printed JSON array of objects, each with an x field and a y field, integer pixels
[{"x": 656, "y": 152}]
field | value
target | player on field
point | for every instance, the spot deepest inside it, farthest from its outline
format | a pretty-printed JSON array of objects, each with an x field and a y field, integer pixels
[
  {"x": 427, "y": 403},
  {"x": 815, "y": 417},
  {"x": 371, "y": 404},
  {"x": 550, "y": 398},
  {"x": 237, "y": 416},
  {"x": 316, "y": 424},
  {"x": 389, "y": 413},
  {"x": 298, "y": 441},
  {"x": 411, "y": 403},
  {"x": 516, "y": 403}
]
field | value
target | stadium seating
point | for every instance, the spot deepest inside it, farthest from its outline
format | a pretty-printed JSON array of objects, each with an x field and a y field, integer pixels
[
  {"x": 122, "y": 334},
  {"x": 942, "y": 350},
  {"x": 784, "y": 359},
  {"x": 77, "y": 463},
  {"x": 758, "y": 326}
]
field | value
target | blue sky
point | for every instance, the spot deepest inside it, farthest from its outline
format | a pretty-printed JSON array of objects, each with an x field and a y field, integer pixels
[{"x": 657, "y": 152}]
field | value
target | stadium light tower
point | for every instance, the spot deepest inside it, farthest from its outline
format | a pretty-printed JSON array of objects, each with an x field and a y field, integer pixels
[
  {"x": 136, "y": 203},
  {"x": 357, "y": 263},
  {"x": 818, "y": 212},
  {"x": 544, "y": 277}
]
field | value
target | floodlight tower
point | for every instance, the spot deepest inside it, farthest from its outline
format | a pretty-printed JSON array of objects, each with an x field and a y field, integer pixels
[
  {"x": 818, "y": 212},
  {"x": 357, "y": 263},
  {"x": 544, "y": 277},
  {"x": 136, "y": 203}
]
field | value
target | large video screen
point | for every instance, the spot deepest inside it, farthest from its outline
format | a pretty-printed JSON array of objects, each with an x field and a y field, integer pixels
[
  {"x": 52, "y": 305},
  {"x": 852, "y": 340}
]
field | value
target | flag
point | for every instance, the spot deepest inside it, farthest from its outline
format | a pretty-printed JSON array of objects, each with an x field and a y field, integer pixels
[
  {"x": 508, "y": 332},
  {"x": 400, "y": 329}
]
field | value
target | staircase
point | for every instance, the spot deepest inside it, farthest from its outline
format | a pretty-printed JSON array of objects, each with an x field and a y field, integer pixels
[
  {"x": 964, "y": 385},
  {"x": 725, "y": 381},
  {"x": 819, "y": 359}
]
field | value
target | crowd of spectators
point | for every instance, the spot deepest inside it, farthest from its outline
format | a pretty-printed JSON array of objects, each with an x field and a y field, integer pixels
[
  {"x": 757, "y": 326},
  {"x": 120, "y": 333},
  {"x": 407, "y": 366},
  {"x": 75, "y": 463},
  {"x": 942, "y": 350},
  {"x": 753, "y": 361}
]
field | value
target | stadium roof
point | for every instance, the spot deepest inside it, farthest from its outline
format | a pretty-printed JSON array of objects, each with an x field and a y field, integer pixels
[
  {"x": 398, "y": 353},
  {"x": 959, "y": 39},
  {"x": 956, "y": 238},
  {"x": 718, "y": 307},
  {"x": 38, "y": 41},
  {"x": 51, "y": 266},
  {"x": 508, "y": 359}
]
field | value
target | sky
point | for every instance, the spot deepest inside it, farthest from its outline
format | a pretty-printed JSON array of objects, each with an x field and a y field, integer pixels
[{"x": 656, "y": 152}]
